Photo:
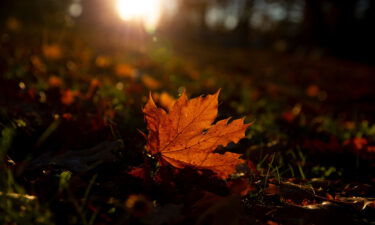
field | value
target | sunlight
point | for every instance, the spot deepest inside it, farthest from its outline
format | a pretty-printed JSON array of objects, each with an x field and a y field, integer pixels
[{"x": 146, "y": 11}]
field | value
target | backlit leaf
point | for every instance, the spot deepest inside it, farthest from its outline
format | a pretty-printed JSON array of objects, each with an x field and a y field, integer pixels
[{"x": 185, "y": 136}]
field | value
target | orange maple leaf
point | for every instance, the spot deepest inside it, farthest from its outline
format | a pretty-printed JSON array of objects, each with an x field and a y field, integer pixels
[{"x": 183, "y": 134}]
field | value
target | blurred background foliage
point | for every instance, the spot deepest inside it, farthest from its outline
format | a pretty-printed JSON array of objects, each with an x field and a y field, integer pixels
[{"x": 323, "y": 26}]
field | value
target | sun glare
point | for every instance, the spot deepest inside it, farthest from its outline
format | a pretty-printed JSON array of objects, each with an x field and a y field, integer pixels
[{"x": 146, "y": 11}]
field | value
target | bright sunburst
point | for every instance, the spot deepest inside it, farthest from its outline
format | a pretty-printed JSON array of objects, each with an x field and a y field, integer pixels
[{"x": 147, "y": 11}]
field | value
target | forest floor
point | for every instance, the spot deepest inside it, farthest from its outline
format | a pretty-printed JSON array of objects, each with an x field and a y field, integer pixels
[{"x": 73, "y": 152}]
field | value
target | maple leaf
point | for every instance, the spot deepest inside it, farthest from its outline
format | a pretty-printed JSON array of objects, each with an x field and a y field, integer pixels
[{"x": 183, "y": 134}]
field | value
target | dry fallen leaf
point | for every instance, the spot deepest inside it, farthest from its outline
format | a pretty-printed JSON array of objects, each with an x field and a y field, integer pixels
[
  {"x": 55, "y": 81},
  {"x": 68, "y": 96},
  {"x": 102, "y": 62},
  {"x": 150, "y": 82},
  {"x": 125, "y": 70},
  {"x": 52, "y": 51},
  {"x": 37, "y": 63},
  {"x": 185, "y": 136},
  {"x": 164, "y": 99}
]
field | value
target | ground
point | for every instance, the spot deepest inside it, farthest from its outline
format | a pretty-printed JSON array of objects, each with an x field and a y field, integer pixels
[{"x": 71, "y": 125}]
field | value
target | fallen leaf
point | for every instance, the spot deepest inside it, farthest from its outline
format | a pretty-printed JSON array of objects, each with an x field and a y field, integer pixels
[
  {"x": 102, "y": 62},
  {"x": 138, "y": 172},
  {"x": 185, "y": 136},
  {"x": 68, "y": 96},
  {"x": 52, "y": 51},
  {"x": 125, "y": 70},
  {"x": 94, "y": 85},
  {"x": 371, "y": 149},
  {"x": 138, "y": 205},
  {"x": 240, "y": 186},
  {"x": 270, "y": 222},
  {"x": 164, "y": 99},
  {"x": 38, "y": 63},
  {"x": 356, "y": 143},
  {"x": 288, "y": 116},
  {"x": 13, "y": 24},
  {"x": 271, "y": 190},
  {"x": 312, "y": 91},
  {"x": 150, "y": 82},
  {"x": 67, "y": 116},
  {"x": 55, "y": 81}
]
